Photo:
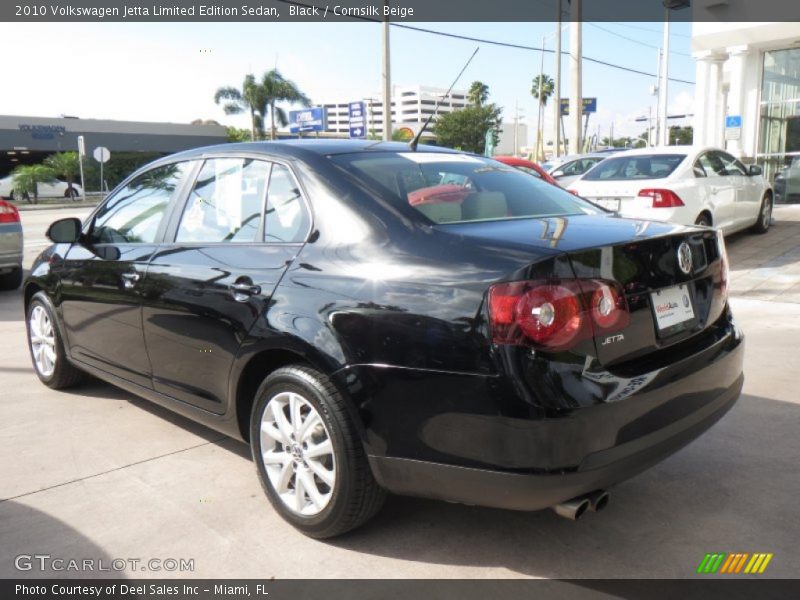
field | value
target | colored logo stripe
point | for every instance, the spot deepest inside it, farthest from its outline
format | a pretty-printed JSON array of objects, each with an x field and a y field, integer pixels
[{"x": 721, "y": 562}]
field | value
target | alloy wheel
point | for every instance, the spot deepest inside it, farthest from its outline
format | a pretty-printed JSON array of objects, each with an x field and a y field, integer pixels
[
  {"x": 297, "y": 452},
  {"x": 43, "y": 341},
  {"x": 766, "y": 213}
]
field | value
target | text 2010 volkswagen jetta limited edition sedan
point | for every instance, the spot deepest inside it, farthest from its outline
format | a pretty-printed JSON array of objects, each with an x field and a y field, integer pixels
[{"x": 371, "y": 318}]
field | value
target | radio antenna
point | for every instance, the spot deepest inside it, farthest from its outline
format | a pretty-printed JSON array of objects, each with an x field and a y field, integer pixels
[{"x": 415, "y": 142}]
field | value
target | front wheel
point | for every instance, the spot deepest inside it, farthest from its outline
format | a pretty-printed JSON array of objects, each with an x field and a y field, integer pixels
[
  {"x": 47, "y": 348},
  {"x": 764, "y": 215},
  {"x": 71, "y": 193},
  {"x": 309, "y": 455}
]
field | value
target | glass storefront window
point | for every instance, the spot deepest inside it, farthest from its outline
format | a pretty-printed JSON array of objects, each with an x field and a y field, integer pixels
[{"x": 779, "y": 143}]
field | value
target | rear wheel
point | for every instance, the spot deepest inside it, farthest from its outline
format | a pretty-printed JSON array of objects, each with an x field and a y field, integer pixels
[
  {"x": 764, "y": 215},
  {"x": 11, "y": 280},
  {"x": 47, "y": 348},
  {"x": 309, "y": 456},
  {"x": 703, "y": 219},
  {"x": 71, "y": 193}
]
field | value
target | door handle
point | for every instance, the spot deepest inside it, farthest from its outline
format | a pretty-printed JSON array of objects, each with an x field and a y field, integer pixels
[
  {"x": 242, "y": 291},
  {"x": 130, "y": 279}
]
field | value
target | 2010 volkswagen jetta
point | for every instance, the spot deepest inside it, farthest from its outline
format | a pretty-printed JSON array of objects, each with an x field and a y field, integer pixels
[{"x": 370, "y": 317}]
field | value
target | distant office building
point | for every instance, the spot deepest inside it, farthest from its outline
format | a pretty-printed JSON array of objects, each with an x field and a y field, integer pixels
[
  {"x": 411, "y": 107},
  {"x": 748, "y": 91}
]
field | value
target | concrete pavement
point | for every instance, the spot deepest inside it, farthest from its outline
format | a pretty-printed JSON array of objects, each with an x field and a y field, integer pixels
[{"x": 97, "y": 473}]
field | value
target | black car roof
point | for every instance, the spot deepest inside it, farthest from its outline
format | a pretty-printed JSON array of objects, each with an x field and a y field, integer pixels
[{"x": 301, "y": 148}]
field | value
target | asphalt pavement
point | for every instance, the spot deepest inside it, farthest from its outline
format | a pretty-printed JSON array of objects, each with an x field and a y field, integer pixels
[{"x": 96, "y": 473}]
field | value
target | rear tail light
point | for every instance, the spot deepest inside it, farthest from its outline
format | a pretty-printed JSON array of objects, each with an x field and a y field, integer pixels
[
  {"x": 555, "y": 315},
  {"x": 8, "y": 212},
  {"x": 724, "y": 270},
  {"x": 662, "y": 198}
]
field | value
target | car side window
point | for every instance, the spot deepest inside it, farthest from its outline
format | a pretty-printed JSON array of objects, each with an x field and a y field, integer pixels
[
  {"x": 711, "y": 164},
  {"x": 731, "y": 165},
  {"x": 134, "y": 213},
  {"x": 287, "y": 218},
  {"x": 698, "y": 169},
  {"x": 225, "y": 203}
]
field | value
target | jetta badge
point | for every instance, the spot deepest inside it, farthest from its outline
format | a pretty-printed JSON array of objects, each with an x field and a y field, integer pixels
[{"x": 685, "y": 258}]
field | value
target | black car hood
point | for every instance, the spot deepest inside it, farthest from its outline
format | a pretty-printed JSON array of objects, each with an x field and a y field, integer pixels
[{"x": 568, "y": 233}]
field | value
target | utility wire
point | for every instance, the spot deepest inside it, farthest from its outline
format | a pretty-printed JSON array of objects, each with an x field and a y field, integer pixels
[
  {"x": 625, "y": 37},
  {"x": 534, "y": 49}
]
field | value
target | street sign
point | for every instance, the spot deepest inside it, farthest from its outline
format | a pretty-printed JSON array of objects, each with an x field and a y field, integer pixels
[
  {"x": 309, "y": 119},
  {"x": 81, "y": 146},
  {"x": 733, "y": 127},
  {"x": 358, "y": 121},
  {"x": 733, "y": 121},
  {"x": 101, "y": 154},
  {"x": 589, "y": 106}
]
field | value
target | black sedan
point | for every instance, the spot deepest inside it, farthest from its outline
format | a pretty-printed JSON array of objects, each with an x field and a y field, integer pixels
[{"x": 373, "y": 318}]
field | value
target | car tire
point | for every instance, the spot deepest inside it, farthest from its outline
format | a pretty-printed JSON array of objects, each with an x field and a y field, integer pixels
[
  {"x": 303, "y": 434},
  {"x": 764, "y": 215},
  {"x": 703, "y": 219},
  {"x": 71, "y": 194},
  {"x": 11, "y": 280},
  {"x": 46, "y": 346}
]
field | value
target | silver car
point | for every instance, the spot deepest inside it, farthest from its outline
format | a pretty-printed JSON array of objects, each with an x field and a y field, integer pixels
[{"x": 10, "y": 247}]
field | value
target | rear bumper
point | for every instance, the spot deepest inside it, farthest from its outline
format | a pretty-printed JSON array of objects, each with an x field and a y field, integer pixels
[
  {"x": 524, "y": 491},
  {"x": 506, "y": 458}
]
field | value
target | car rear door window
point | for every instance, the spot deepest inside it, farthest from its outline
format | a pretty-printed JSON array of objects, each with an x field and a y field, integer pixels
[
  {"x": 225, "y": 204},
  {"x": 287, "y": 218},
  {"x": 730, "y": 164},
  {"x": 134, "y": 213}
]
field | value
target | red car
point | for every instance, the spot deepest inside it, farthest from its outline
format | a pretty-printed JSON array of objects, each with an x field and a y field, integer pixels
[{"x": 527, "y": 166}]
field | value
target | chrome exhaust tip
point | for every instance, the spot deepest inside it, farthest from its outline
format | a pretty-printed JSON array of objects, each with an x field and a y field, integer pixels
[
  {"x": 598, "y": 500},
  {"x": 572, "y": 509}
]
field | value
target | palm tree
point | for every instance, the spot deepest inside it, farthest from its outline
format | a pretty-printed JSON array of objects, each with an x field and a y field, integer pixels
[
  {"x": 547, "y": 87},
  {"x": 26, "y": 180},
  {"x": 276, "y": 88},
  {"x": 249, "y": 99},
  {"x": 66, "y": 165},
  {"x": 478, "y": 93}
]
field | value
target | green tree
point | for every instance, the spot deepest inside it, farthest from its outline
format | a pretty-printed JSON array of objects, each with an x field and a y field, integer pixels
[
  {"x": 478, "y": 93},
  {"x": 681, "y": 136},
  {"x": 66, "y": 165},
  {"x": 236, "y": 134},
  {"x": 26, "y": 180},
  {"x": 547, "y": 86},
  {"x": 466, "y": 128},
  {"x": 249, "y": 99},
  {"x": 276, "y": 88}
]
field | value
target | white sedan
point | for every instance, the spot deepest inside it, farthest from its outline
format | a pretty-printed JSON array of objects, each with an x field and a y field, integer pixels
[
  {"x": 56, "y": 189},
  {"x": 681, "y": 184}
]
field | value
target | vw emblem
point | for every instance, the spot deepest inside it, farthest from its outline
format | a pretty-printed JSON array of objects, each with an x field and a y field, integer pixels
[{"x": 685, "y": 258}]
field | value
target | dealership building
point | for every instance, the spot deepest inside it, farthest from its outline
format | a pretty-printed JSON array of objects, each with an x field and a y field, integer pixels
[
  {"x": 27, "y": 140},
  {"x": 748, "y": 91}
]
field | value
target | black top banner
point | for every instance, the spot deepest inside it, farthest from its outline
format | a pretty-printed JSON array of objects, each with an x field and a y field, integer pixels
[{"x": 399, "y": 10}]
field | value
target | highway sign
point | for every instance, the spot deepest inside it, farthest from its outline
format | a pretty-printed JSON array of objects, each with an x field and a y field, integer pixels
[
  {"x": 309, "y": 119},
  {"x": 589, "y": 106},
  {"x": 358, "y": 120}
]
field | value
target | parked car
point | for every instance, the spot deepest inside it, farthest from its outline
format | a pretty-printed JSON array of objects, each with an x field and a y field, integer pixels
[
  {"x": 57, "y": 189},
  {"x": 680, "y": 184},
  {"x": 569, "y": 168},
  {"x": 10, "y": 247},
  {"x": 787, "y": 182},
  {"x": 519, "y": 348},
  {"x": 527, "y": 166}
]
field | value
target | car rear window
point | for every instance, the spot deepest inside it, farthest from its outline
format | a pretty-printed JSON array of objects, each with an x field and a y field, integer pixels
[
  {"x": 639, "y": 166},
  {"x": 459, "y": 188}
]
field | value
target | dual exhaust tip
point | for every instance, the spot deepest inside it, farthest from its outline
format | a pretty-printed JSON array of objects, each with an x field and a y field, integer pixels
[{"x": 575, "y": 508}]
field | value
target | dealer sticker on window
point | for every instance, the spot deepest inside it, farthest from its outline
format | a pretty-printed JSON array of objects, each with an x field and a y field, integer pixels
[{"x": 672, "y": 306}]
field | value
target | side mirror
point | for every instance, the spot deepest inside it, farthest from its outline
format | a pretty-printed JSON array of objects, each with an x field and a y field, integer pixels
[
  {"x": 65, "y": 231},
  {"x": 557, "y": 173},
  {"x": 755, "y": 170}
]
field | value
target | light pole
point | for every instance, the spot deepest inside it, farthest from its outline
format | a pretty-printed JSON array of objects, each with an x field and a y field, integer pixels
[
  {"x": 663, "y": 95},
  {"x": 387, "y": 82},
  {"x": 575, "y": 75},
  {"x": 557, "y": 85}
]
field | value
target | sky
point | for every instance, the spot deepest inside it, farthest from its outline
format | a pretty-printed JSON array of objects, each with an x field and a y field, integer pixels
[{"x": 170, "y": 71}]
